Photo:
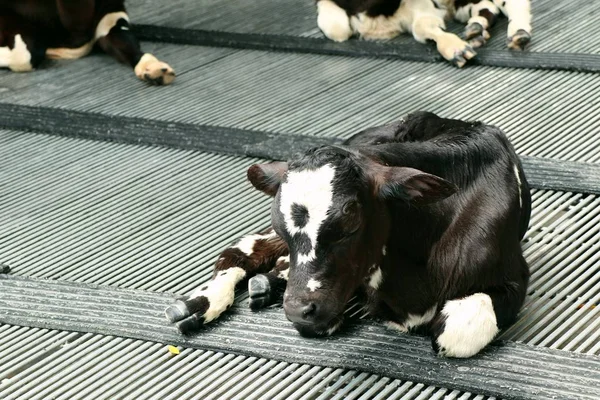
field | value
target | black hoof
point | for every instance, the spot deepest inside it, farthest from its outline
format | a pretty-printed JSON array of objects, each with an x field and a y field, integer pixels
[
  {"x": 177, "y": 311},
  {"x": 4, "y": 268},
  {"x": 520, "y": 40},
  {"x": 190, "y": 325},
  {"x": 473, "y": 30},
  {"x": 260, "y": 291}
]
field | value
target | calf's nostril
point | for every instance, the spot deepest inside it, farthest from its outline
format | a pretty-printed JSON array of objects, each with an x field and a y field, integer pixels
[{"x": 308, "y": 310}]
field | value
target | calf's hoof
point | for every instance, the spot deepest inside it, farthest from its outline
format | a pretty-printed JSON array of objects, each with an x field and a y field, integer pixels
[
  {"x": 455, "y": 50},
  {"x": 519, "y": 40},
  {"x": 262, "y": 292},
  {"x": 153, "y": 71}
]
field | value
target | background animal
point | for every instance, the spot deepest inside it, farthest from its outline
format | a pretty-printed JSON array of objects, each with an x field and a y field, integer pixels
[
  {"x": 385, "y": 19},
  {"x": 33, "y": 30},
  {"x": 424, "y": 215}
]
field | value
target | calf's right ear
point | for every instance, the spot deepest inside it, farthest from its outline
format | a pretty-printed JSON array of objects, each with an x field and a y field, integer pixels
[{"x": 267, "y": 177}]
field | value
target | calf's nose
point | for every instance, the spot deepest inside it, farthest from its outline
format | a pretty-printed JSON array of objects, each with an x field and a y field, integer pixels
[{"x": 300, "y": 312}]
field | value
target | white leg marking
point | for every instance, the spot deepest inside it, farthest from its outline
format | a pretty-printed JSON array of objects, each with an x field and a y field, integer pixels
[
  {"x": 312, "y": 189},
  {"x": 18, "y": 59},
  {"x": 108, "y": 22},
  {"x": 470, "y": 326},
  {"x": 520, "y": 186},
  {"x": 102, "y": 29},
  {"x": 396, "y": 326},
  {"x": 149, "y": 68},
  {"x": 333, "y": 21},
  {"x": 220, "y": 291},
  {"x": 412, "y": 321},
  {"x": 519, "y": 15},
  {"x": 376, "y": 279},
  {"x": 313, "y": 284},
  {"x": 285, "y": 273},
  {"x": 246, "y": 244}
]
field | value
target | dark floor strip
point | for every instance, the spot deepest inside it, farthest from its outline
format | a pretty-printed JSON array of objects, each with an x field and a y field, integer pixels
[
  {"x": 358, "y": 48},
  {"x": 505, "y": 370},
  {"x": 541, "y": 173}
]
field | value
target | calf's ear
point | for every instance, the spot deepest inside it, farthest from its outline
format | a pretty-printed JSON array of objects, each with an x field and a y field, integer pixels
[
  {"x": 413, "y": 185},
  {"x": 267, "y": 177}
]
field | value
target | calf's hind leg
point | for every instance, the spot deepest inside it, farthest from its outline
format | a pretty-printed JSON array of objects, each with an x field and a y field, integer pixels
[
  {"x": 518, "y": 13},
  {"x": 252, "y": 254},
  {"x": 464, "y": 326}
]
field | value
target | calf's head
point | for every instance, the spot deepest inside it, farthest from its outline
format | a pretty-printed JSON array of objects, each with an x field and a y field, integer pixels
[{"x": 332, "y": 207}]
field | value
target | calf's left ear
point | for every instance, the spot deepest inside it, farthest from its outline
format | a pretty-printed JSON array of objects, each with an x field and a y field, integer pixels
[
  {"x": 414, "y": 185},
  {"x": 267, "y": 177}
]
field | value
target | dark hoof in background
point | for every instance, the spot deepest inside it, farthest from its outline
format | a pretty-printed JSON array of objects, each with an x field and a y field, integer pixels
[
  {"x": 519, "y": 40},
  {"x": 473, "y": 30},
  {"x": 261, "y": 291},
  {"x": 4, "y": 268}
]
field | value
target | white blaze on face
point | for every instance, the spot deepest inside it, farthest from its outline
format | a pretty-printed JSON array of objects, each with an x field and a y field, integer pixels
[{"x": 312, "y": 189}]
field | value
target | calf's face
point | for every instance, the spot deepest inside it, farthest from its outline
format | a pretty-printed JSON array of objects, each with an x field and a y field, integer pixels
[{"x": 331, "y": 206}]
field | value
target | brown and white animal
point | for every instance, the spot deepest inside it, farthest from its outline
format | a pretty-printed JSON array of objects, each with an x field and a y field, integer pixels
[
  {"x": 425, "y": 215},
  {"x": 385, "y": 19},
  {"x": 33, "y": 30}
]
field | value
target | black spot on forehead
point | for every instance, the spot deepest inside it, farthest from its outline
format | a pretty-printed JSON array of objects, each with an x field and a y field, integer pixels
[
  {"x": 301, "y": 243},
  {"x": 299, "y": 215}
]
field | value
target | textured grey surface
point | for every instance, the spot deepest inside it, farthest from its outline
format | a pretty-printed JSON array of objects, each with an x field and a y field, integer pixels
[
  {"x": 566, "y": 26},
  {"x": 546, "y": 113},
  {"x": 512, "y": 371},
  {"x": 39, "y": 363}
]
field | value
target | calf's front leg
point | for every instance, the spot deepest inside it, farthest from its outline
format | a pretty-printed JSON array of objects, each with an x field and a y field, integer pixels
[
  {"x": 252, "y": 254},
  {"x": 464, "y": 326},
  {"x": 518, "y": 13},
  {"x": 266, "y": 289}
]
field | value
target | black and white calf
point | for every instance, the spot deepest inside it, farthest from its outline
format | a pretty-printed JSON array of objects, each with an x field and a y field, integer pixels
[
  {"x": 424, "y": 215},
  {"x": 385, "y": 19},
  {"x": 33, "y": 30}
]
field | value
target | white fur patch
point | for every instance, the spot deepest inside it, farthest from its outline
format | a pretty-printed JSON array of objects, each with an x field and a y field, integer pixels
[
  {"x": 376, "y": 279},
  {"x": 108, "y": 22},
  {"x": 285, "y": 273},
  {"x": 18, "y": 59},
  {"x": 520, "y": 186},
  {"x": 333, "y": 21},
  {"x": 412, "y": 321},
  {"x": 384, "y": 250},
  {"x": 470, "y": 326},
  {"x": 313, "y": 284},
  {"x": 518, "y": 13},
  {"x": 63, "y": 53},
  {"x": 246, "y": 244},
  {"x": 312, "y": 189},
  {"x": 220, "y": 291}
]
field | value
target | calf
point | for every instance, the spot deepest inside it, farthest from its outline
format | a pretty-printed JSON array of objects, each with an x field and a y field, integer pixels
[
  {"x": 33, "y": 30},
  {"x": 385, "y": 19},
  {"x": 424, "y": 215}
]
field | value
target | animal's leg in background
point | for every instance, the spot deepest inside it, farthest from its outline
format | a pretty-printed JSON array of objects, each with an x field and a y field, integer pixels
[
  {"x": 451, "y": 47},
  {"x": 115, "y": 38},
  {"x": 20, "y": 49},
  {"x": 518, "y": 13},
  {"x": 266, "y": 289},
  {"x": 333, "y": 21},
  {"x": 479, "y": 17},
  {"x": 252, "y": 254},
  {"x": 464, "y": 326}
]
